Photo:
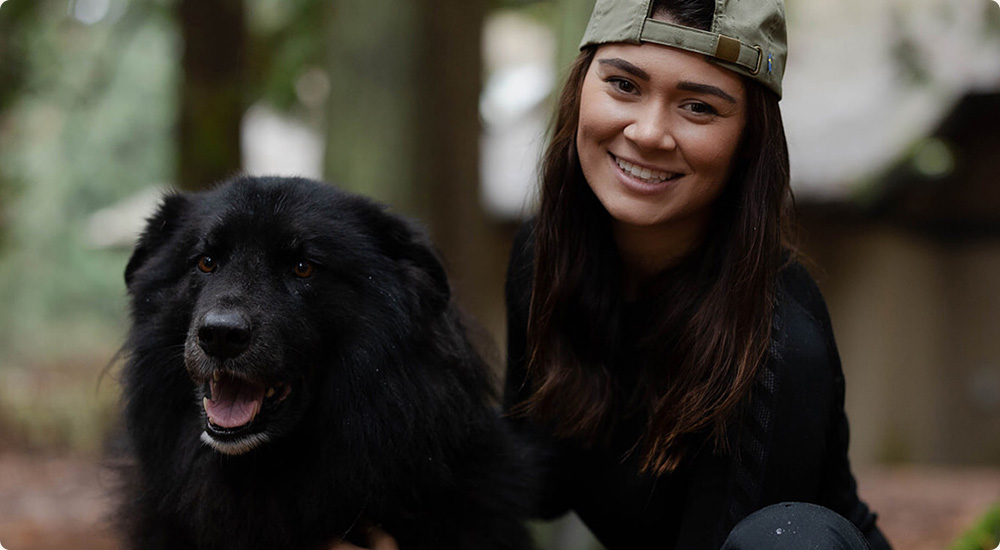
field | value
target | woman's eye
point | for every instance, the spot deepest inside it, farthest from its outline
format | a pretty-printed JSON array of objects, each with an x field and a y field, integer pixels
[
  {"x": 304, "y": 269},
  {"x": 699, "y": 108},
  {"x": 206, "y": 264},
  {"x": 622, "y": 85}
]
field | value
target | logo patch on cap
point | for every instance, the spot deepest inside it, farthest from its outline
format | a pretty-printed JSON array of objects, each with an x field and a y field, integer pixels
[{"x": 728, "y": 49}]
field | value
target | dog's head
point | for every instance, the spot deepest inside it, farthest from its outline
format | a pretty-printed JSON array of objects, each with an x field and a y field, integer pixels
[{"x": 269, "y": 286}]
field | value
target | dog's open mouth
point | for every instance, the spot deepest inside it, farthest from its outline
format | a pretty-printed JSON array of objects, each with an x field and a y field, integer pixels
[
  {"x": 237, "y": 409},
  {"x": 233, "y": 403}
]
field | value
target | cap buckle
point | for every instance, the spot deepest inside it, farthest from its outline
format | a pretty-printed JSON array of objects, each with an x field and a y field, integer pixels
[{"x": 760, "y": 56}]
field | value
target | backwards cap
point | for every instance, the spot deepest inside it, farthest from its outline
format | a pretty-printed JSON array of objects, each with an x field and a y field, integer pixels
[{"x": 747, "y": 36}]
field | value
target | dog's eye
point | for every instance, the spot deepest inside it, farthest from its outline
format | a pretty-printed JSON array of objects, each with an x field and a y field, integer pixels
[
  {"x": 206, "y": 264},
  {"x": 304, "y": 269}
]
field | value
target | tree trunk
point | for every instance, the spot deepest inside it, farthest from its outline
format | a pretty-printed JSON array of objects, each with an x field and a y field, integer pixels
[
  {"x": 447, "y": 157},
  {"x": 211, "y": 99},
  {"x": 404, "y": 128}
]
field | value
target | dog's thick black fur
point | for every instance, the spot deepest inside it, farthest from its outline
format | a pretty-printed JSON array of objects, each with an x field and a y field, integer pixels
[{"x": 295, "y": 372}]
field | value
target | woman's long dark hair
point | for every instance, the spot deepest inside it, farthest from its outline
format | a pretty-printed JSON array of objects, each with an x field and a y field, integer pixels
[{"x": 711, "y": 327}]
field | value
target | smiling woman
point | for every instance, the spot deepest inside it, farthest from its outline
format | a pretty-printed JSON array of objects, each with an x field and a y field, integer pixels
[
  {"x": 657, "y": 133},
  {"x": 664, "y": 346}
]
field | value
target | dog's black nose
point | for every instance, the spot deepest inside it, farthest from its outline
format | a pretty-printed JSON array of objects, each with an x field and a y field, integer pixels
[{"x": 224, "y": 334}]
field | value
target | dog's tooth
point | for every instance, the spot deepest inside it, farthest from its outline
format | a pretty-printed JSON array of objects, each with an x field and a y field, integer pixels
[
  {"x": 204, "y": 403},
  {"x": 216, "y": 376},
  {"x": 270, "y": 392}
]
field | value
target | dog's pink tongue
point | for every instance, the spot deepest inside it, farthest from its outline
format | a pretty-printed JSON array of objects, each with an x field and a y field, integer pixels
[{"x": 234, "y": 403}]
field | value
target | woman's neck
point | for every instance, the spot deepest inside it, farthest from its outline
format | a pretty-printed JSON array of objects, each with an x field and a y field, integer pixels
[{"x": 647, "y": 251}]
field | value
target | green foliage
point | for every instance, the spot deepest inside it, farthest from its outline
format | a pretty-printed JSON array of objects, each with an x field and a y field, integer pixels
[
  {"x": 984, "y": 535},
  {"x": 91, "y": 125},
  {"x": 286, "y": 40},
  {"x": 16, "y": 24}
]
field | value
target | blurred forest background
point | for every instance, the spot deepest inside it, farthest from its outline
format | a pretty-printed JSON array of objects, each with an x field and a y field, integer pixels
[{"x": 439, "y": 108}]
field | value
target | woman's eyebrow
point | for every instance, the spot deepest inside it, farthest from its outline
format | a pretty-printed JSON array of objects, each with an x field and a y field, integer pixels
[
  {"x": 705, "y": 89},
  {"x": 625, "y": 66}
]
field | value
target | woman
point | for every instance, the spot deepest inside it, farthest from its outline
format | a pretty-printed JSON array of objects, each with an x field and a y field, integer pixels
[{"x": 665, "y": 350}]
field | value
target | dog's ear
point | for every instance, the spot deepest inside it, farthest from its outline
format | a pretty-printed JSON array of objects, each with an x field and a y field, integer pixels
[
  {"x": 411, "y": 246},
  {"x": 159, "y": 228}
]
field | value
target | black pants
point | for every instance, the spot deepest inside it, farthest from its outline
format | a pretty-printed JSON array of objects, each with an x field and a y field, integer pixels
[{"x": 795, "y": 526}]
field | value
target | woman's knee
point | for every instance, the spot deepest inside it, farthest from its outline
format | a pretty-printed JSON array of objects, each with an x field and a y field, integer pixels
[{"x": 795, "y": 526}]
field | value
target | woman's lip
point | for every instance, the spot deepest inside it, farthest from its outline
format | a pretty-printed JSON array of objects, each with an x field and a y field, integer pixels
[
  {"x": 638, "y": 186},
  {"x": 646, "y": 166}
]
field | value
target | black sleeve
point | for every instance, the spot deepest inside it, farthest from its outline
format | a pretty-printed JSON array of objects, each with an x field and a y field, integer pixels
[
  {"x": 554, "y": 496},
  {"x": 810, "y": 344}
]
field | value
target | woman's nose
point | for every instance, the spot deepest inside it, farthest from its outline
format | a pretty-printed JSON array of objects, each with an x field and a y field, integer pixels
[{"x": 651, "y": 131}]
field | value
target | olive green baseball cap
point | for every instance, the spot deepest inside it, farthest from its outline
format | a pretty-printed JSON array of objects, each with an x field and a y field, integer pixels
[{"x": 747, "y": 36}]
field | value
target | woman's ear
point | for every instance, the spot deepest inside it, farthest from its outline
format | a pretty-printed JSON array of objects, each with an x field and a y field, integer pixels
[{"x": 159, "y": 228}]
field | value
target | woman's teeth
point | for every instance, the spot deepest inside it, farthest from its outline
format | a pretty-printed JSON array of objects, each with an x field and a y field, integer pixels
[{"x": 645, "y": 174}]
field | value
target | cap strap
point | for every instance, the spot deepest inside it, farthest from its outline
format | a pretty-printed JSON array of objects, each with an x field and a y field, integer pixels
[{"x": 718, "y": 46}]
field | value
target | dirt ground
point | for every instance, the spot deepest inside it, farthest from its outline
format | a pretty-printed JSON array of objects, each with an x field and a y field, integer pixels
[
  {"x": 927, "y": 508},
  {"x": 50, "y": 503}
]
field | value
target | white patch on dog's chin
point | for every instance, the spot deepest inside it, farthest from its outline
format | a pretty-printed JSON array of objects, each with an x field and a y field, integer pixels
[{"x": 238, "y": 447}]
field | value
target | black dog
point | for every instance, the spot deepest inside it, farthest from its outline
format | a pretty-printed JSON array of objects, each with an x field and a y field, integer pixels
[{"x": 296, "y": 371}]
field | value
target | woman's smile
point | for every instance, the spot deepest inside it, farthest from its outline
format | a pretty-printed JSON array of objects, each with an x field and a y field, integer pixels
[{"x": 642, "y": 178}]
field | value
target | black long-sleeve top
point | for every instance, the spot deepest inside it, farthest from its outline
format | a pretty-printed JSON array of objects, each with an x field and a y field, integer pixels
[{"x": 791, "y": 443}]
